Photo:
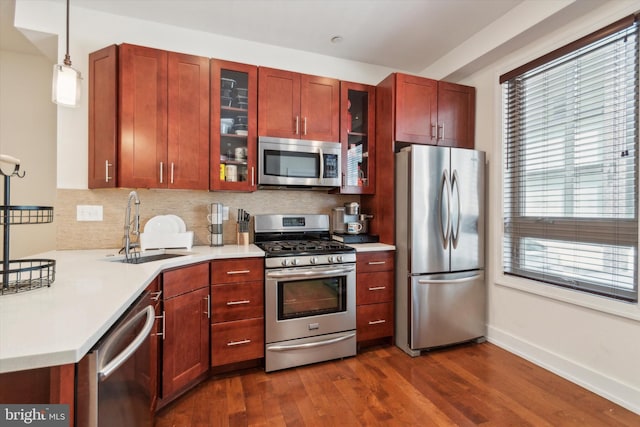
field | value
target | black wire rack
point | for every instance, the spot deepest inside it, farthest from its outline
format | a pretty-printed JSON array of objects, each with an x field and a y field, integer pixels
[{"x": 25, "y": 274}]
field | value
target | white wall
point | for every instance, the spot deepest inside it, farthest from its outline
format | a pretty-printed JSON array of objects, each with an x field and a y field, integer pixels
[
  {"x": 590, "y": 340},
  {"x": 27, "y": 132}
]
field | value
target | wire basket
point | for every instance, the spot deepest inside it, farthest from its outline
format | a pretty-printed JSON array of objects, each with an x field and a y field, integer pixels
[
  {"x": 25, "y": 275},
  {"x": 26, "y": 214}
]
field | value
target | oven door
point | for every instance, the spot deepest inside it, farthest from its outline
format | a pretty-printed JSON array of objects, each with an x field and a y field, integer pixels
[
  {"x": 292, "y": 162},
  {"x": 309, "y": 301}
]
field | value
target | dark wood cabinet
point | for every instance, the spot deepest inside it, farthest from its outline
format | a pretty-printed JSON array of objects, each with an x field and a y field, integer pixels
[
  {"x": 299, "y": 106},
  {"x": 434, "y": 112},
  {"x": 357, "y": 136},
  {"x": 374, "y": 296},
  {"x": 237, "y": 300},
  {"x": 158, "y": 122},
  {"x": 185, "y": 345},
  {"x": 234, "y": 119}
]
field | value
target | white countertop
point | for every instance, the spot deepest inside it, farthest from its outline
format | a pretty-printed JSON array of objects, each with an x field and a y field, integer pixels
[
  {"x": 60, "y": 324},
  {"x": 372, "y": 247}
]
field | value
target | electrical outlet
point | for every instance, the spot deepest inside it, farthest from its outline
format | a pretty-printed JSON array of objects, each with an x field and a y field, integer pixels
[
  {"x": 89, "y": 212},
  {"x": 225, "y": 213}
]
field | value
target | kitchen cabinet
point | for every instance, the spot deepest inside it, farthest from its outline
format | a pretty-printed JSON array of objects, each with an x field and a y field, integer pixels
[
  {"x": 185, "y": 340},
  {"x": 299, "y": 106},
  {"x": 237, "y": 305},
  {"x": 234, "y": 118},
  {"x": 374, "y": 296},
  {"x": 357, "y": 136},
  {"x": 434, "y": 112},
  {"x": 159, "y": 121}
]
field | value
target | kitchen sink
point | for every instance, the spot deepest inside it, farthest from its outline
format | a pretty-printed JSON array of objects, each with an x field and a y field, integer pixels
[{"x": 146, "y": 257}]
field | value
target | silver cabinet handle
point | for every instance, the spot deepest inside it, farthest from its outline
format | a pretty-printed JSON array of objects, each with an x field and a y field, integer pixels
[
  {"x": 106, "y": 369},
  {"x": 232, "y": 343},
  {"x": 208, "y": 298},
  {"x": 161, "y": 172},
  {"x": 305, "y": 125},
  {"x": 244, "y": 301},
  {"x": 252, "y": 176},
  {"x": 434, "y": 131},
  {"x": 377, "y": 262},
  {"x": 297, "y": 125},
  {"x": 377, "y": 322},
  {"x": 106, "y": 170},
  {"x": 440, "y": 127},
  {"x": 239, "y": 272},
  {"x": 378, "y": 288},
  {"x": 155, "y": 296},
  {"x": 172, "y": 172},
  {"x": 310, "y": 344},
  {"x": 161, "y": 334}
]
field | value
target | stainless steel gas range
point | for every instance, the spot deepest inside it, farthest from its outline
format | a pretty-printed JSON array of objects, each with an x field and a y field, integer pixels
[{"x": 310, "y": 294}]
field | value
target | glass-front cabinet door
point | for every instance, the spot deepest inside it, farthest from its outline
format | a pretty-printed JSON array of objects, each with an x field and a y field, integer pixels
[
  {"x": 234, "y": 91},
  {"x": 357, "y": 130}
]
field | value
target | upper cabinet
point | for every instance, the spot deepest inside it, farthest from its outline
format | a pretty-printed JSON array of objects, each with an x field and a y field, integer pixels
[
  {"x": 162, "y": 131},
  {"x": 299, "y": 106},
  {"x": 357, "y": 135},
  {"x": 434, "y": 112},
  {"x": 234, "y": 107}
]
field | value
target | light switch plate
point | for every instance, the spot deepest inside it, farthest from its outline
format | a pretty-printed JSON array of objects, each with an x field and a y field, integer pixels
[
  {"x": 89, "y": 212},
  {"x": 225, "y": 213}
]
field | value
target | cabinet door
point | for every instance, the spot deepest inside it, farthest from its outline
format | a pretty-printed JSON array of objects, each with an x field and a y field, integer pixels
[
  {"x": 234, "y": 141},
  {"x": 278, "y": 103},
  {"x": 319, "y": 108},
  {"x": 357, "y": 136},
  {"x": 143, "y": 117},
  {"x": 374, "y": 321},
  {"x": 186, "y": 340},
  {"x": 188, "y": 122},
  {"x": 456, "y": 115},
  {"x": 416, "y": 109},
  {"x": 103, "y": 113}
]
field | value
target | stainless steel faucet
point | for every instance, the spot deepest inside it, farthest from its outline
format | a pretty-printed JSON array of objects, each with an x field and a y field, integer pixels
[{"x": 128, "y": 243}]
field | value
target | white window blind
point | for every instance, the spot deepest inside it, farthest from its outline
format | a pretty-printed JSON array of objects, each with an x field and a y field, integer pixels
[{"x": 571, "y": 160}]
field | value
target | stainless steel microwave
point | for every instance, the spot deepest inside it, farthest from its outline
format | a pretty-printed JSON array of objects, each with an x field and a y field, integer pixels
[{"x": 298, "y": 163}]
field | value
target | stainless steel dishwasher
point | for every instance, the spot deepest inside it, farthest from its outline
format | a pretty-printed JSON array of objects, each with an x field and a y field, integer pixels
[{"x": 113, "y": 378}]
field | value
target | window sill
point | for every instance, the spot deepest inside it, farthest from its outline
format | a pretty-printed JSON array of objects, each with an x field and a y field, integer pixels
[{"x": 593, "y": 302}]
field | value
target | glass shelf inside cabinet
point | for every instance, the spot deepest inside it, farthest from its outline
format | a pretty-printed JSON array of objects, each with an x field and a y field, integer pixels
[
  {"x": 234, "y": 108},
  {"x": 357, "y": 170}
]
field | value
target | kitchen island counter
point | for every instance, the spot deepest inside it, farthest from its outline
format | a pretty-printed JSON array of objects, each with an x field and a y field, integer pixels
[{"x": 58, "y": 325}]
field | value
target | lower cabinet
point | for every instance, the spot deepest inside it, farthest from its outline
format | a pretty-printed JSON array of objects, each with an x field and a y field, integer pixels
[
  {"x": 185, "y": 341},
  {"x": 374, "y": 295},
  {"x": 237, "y": 304}
]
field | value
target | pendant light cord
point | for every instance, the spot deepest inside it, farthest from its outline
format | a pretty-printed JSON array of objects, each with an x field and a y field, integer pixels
[{"x": 67, "y": 58}]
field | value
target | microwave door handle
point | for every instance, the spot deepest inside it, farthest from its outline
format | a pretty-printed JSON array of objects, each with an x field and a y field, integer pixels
[{"x": 321, "y": 163}]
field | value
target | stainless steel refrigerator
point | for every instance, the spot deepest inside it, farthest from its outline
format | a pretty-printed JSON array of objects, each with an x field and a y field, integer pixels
[{"x": 440, "y": 288}]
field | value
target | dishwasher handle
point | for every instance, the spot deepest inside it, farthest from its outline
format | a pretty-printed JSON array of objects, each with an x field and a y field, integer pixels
[{"x": 106, "y": 368}]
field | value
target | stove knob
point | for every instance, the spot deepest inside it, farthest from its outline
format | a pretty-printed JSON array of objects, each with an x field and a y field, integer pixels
[
  {"x": 285, "y": 262},
  {"x": 295, "y": 261},
  {"x": 313, "y": 260},
  {"x": 339, "y": 258},
  {"x": 330, "y": 259}
]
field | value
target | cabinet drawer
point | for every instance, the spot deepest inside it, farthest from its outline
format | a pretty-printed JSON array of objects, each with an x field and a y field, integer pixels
[
  {"x": 374, "y": 287},
  {"x": 237, "y": 341},
  {"x": 185, "y": 279},
  {"x": 374, "y": 321},
  {"x": 237, "y": 270},
  {"x": 375, "y": 261},
  {"x": 237, "y": 301}
]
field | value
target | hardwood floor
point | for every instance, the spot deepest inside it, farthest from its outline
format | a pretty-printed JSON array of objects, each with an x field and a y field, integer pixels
[{"x": 478, "y": 384}]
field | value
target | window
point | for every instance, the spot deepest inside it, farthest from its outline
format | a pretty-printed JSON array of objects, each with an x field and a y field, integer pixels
[{"x": 570, "y": 165}]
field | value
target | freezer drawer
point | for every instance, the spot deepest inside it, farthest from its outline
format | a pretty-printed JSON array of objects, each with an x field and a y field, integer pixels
[{"x": 446, "y": 309}]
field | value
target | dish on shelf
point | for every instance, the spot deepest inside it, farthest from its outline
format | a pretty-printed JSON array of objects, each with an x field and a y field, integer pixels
[
  {"x": 226, "y": 101},
  {"x": 226, "y": 83},
  {"x": 242, "y": 132}
]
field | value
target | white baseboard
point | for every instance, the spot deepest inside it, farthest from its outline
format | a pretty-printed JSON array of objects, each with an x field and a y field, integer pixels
[{"x": 624, "y": 395}]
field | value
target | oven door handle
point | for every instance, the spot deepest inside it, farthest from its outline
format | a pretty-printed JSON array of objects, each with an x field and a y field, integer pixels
[
  {"x": 315, "y": 272},
  {"x": 310, "y": 344}
]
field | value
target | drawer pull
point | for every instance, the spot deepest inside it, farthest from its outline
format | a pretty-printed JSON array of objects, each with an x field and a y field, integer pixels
[
  {"x": 239, "y": 272},
  {"x": 377, "y": 322},
  {"x": 155, "y": 296},
  {"x": 246, "y": 301},
  {"x": 232, "y": 343},
  {"x": 377, "y": 262},
  {"x": 378, "y": 288}
]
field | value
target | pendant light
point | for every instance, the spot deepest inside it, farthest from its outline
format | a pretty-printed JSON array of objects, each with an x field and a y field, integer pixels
[{"x": 65, "y": 89}]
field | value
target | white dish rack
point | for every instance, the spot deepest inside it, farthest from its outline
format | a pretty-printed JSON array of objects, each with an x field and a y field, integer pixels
[{"x": 166, "y": 232}]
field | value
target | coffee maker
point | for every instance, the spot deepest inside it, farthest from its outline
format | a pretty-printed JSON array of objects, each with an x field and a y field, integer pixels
[{"x": 348, "y": 225}]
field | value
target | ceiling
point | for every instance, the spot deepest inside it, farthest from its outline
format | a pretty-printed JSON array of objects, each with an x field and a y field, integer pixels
[{"x": 402, "y": 34}]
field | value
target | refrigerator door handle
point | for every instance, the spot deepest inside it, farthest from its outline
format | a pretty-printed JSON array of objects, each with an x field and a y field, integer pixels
[
  {"x": 436, "y": 282},
  {"x": 445, "y": 193},
  {"x": 456, "y": 185}
]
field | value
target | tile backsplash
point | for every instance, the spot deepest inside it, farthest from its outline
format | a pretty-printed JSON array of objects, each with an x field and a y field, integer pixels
[{"x": 191, "y": 206}]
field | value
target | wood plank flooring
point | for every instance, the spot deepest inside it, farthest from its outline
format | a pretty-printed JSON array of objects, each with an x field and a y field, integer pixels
[{"x": 470, "y": 385}]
